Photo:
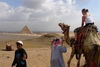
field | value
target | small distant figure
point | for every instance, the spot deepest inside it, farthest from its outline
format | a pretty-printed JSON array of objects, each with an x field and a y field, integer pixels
[
  {"x": 8, "y": 47},
  {"x": 20, "y": 56},
  {"x": 57, "y": 50}
]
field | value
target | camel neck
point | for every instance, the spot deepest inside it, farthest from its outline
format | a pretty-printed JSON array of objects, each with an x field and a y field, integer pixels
[{"x": 66, "y": 36}]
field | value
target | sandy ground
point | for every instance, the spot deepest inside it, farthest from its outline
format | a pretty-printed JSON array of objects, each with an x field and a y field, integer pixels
[
  {"x": 38, "y": 50},
  {"x": 37, "y": 57}
]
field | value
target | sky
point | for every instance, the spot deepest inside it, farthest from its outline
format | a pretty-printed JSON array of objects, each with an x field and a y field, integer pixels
[{"x": 44, "y": 15}]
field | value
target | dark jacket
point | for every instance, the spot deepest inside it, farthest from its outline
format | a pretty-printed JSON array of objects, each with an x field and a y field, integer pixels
[{"x": 18, "y": 59}]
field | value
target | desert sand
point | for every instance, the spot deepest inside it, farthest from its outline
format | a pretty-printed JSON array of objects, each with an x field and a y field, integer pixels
[
  {"x": 37, "y": 47},
  {"x": 37, "y": 57}
]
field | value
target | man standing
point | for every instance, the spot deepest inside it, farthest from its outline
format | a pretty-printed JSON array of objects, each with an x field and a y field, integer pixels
[
  {"x": 57, "y": 51},
  {"x": 20, "y": 56}
]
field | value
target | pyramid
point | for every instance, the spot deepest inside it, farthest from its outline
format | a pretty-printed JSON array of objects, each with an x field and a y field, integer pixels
[{"x": 26, "y": 30}]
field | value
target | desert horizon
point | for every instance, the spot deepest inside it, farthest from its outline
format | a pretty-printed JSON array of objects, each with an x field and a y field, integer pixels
[
  {"x": 36, "y": 25},
  {"x": 37, "y": 47}
]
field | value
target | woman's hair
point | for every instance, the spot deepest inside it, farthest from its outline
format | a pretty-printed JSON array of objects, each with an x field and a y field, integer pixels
[{"x": 85, "y": 10}]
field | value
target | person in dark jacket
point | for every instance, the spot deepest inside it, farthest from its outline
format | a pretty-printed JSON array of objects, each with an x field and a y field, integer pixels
[{"x": 20, "y": 56}]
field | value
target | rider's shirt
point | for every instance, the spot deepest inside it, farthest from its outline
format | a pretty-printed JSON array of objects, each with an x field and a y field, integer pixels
[{"x": 89, "y": 20}]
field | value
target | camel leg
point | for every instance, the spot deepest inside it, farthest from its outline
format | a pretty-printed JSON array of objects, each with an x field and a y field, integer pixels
[
  {"x": 78, "y": 63},
  {"x": 72, "y": 55}
]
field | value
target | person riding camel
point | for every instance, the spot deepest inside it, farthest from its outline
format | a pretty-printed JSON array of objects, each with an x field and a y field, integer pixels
[
  {"x": 80, "y": 32},
  {"x": 87, "y": 21},
  {"x": 86, "y": 18}
]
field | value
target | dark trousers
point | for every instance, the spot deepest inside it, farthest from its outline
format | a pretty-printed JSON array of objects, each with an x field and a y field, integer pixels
[
  {"x": 92, "y": 24},
  {"x": 22, "y": 64},
  {"x": 89, "y": 24}
]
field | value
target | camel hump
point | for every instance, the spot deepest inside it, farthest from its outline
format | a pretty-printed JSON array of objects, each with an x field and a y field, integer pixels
[
  {"x": 86, "y": 29},
  {"x": 83, "y": 32}
]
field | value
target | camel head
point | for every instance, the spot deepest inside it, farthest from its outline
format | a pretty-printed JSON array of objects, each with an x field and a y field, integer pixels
[{"x": 64, "y": 27}]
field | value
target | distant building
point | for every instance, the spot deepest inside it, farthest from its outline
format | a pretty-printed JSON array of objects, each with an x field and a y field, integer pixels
[{"x": 26, "y": 30}]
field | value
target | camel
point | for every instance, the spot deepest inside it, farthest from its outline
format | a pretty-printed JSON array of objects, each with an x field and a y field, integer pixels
[
  {"x": 69, "y": 41},
  {"x": 90, "y": 49}
]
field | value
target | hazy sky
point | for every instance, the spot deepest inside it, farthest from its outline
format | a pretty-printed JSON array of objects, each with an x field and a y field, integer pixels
[{"x": 44, "y": 15}]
